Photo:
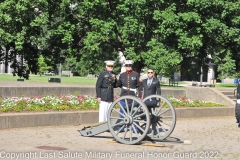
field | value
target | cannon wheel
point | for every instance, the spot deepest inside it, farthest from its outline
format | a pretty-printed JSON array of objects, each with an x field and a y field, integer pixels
[
  {"x": 163, "y": 117},
  {"x": 125, "y": 126}
]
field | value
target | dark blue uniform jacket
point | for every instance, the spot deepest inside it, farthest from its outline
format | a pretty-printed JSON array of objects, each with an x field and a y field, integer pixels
[
  {"x": 104, "y": 87},
  {"x": 130, "y": 80}
]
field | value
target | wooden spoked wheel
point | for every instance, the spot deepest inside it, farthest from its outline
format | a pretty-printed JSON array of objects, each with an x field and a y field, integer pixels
[
  {"x": 162, "y": 115},
  {"x": 128, "y": 120}
]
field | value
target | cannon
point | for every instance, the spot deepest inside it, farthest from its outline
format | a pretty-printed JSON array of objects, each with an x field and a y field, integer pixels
[{"x": 130, "y": 120}]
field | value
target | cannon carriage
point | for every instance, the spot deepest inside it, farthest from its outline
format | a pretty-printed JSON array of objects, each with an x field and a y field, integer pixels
[{"x": 131, "y": 120}]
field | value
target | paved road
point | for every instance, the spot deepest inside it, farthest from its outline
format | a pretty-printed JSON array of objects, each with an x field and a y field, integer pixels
[{"x": 212, "y": 138}]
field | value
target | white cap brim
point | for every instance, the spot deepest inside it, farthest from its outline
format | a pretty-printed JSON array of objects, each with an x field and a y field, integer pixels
[
  {"x": 128, "y": 62},
  {"x": 109, "y": 62}
]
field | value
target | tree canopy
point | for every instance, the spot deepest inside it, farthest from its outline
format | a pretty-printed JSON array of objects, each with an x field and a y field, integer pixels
[{"x": 167, "y": 35}]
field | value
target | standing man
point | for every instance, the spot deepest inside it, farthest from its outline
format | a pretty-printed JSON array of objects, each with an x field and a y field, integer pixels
[
  {"x": 104, "y": 89},
  {"x": 129, "y": 81},
  {"x": 150, "y": 86}
]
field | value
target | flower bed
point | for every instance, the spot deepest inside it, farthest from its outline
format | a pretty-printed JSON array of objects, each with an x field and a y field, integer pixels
[
  {"x": 55, "y": 103},
  {"x": 77, "y": 102},
  {"x": 186, "y": 102}
]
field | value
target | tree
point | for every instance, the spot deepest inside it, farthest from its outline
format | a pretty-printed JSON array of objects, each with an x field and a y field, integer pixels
[
  {"x": 163, "y": 34},
  {"x": 227, "y": 68},
  {"x": 42, "y": 66},
  {"x": 20, "y": 29},
  {"x": 168, "y": 35}
]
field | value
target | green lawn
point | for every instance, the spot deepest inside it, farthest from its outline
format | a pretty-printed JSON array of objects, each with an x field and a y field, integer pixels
[
  {"x": 66, "y": 80},
  {"x": 44, "y": 79},
  {"x": 86, "y": 81},
  {"x": 226, "y": 85}
]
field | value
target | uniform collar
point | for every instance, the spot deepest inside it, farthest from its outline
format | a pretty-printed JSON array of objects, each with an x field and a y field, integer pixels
[{"x": 128, "y": 72}]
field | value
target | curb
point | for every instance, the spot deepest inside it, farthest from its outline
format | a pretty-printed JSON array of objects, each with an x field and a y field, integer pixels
[{"x": 19, "y": 120}]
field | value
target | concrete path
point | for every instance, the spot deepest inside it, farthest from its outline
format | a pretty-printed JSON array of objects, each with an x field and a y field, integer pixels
[{"x": 212, "y": 138}]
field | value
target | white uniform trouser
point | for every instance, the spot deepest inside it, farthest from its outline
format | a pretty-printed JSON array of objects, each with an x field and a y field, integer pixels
[{"x": 103, "y": 110}]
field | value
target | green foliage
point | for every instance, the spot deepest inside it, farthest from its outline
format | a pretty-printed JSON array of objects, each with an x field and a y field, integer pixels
[
  {"x": 227, "y": 68},
  {"x": 162, "y": 34},
  {"x": 42, "y": 66}
]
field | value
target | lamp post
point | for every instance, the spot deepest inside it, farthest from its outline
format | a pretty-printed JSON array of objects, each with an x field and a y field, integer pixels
[
  {"x": 60, "y": 72},
  {"x": 201, "y": 76}
]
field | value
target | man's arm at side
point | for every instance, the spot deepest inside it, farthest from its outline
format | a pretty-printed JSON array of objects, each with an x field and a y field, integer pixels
[{"x": 99, "y": 84}]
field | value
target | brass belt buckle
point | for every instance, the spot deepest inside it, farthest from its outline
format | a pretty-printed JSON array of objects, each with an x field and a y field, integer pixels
[{"x": 109, "y": 87}]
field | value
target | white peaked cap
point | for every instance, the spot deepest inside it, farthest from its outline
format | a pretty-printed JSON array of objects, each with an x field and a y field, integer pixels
[
  {"x": 109, "y": 62},
  {"x": 128, "y": 62}
]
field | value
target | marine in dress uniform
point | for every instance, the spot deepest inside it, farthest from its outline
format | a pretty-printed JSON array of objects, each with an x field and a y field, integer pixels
[
  {"x": 104, "y": 89},
  {"x": 129, "y": 81}
]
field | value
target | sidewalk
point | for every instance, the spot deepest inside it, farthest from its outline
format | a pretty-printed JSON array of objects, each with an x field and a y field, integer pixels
[
  {"x": 34, "y": 119},
  {"x": 216, "y": 137},
  {"x": 189, "y": 83}
]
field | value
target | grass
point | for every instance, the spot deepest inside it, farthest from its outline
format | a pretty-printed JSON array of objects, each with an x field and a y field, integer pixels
[
  {"x": 226, "y": 85},
  {"x": 64, "y": 80},
  {"x": 44, "y": 79},
  {"x": 87, "y": 81}
]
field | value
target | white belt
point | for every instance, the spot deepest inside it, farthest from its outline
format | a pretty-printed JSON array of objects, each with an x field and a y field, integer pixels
[
  {"x": 150, "y": 99},
  {"x": 131, "y": 89}
]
